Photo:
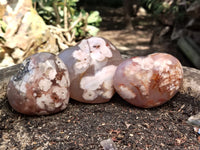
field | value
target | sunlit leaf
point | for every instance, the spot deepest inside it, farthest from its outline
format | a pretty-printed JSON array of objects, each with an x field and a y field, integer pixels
[
  {"x": 94, "y": 17},
  {"x": 48, "y": 8},
  {"x": 92, "y": 30},
  {"x": 3, "y": 26}
]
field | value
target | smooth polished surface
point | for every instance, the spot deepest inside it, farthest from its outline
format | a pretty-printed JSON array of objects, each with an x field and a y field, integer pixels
[
  {"x": 92, "y": 64},
  {"x": 40, "y": 86},
  {"x": 148, "y": 81}
]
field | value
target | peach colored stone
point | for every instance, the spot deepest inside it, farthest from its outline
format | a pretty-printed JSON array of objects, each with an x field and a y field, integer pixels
[{"x": 148, "y": 81}]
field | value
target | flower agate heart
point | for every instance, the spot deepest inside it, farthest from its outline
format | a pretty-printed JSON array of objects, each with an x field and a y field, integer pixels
[
  {"x": 92, "y": 64},
  {"x": 148, "y": 81},
  {"x": 40, "y": 87}
]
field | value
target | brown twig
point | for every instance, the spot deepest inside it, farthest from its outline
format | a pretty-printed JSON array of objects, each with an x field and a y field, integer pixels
[
  {"x": 59, "y": 29},
  {"x": 66, "y": 23},
  {"x": 76, "y": 22},
  {"x": 65, "y": 15},
  {"x": 85, "y": 25},
  {"x": 69, "y": 34},
  {"x": 66, "y": 35},
  {"x": 56, "y": 13}
]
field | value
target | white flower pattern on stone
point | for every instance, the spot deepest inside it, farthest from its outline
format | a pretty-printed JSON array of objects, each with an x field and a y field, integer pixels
[
  {"x": 82, "y": 61},
  {"x": 99, "y": 49},
  {"x": 93, "y": 48},
  {"x": 92, "y": 84}
]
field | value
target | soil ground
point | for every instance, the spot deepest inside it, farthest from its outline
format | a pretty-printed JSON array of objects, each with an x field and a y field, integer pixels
[{"x": 84, "y": 126}]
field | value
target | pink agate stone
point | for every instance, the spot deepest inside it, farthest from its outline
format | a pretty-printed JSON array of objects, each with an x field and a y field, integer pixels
[
  {"x": 148, "y": 81},
  {"x": 40, "y": 86},
  {"x": 92, "y": 64}
]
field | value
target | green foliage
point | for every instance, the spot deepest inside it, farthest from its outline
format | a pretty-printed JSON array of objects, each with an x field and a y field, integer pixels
[
  {"x": 110, "y": 3},
  {"x": 155, "y": 7},
  {"x": 53, "y": 13},
  {"x": 158, "y": 7},
  {"x": 3, "y": 26},
  {"x": 2, "y": 30}
]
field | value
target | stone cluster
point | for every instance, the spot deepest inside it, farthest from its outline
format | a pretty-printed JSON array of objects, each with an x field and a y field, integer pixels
[{"x": 90, "y": 72}]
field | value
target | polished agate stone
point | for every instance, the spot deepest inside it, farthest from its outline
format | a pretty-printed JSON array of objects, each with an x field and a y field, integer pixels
[
  {"x": 41, "y": 86},
  {"x": 92, "y": 64},
  {"x": 148, "y": 81}
]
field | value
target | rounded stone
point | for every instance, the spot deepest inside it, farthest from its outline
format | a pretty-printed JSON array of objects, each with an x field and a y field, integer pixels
[
  {"x": 92, "y": 64},
  {"x": 148, "y": 81},
  {"x": 41, "y": 85}
]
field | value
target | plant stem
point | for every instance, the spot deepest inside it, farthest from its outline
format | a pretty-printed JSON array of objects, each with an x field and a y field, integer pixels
[
  {"x": 65, "y": 15},
  {"x": 55, "y": 7}
]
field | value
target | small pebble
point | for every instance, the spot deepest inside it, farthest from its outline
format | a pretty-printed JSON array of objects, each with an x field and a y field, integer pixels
[
  {"x": 194, "y": 120},
  {"x": 197, "y": 130},
  {"x": 131, "y": 135},
  {"x": 108, "y": 144}
]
